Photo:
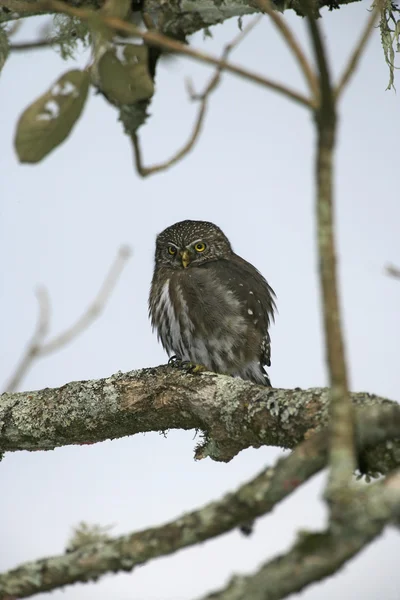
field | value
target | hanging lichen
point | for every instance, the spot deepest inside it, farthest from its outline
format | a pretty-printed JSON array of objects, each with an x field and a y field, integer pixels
[
  {"x": 69, "y": 31},
  {"x": 389, "y": 26}
]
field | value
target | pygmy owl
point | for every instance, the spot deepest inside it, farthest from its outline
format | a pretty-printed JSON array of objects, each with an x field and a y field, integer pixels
[{"x": 210, "y": 306}]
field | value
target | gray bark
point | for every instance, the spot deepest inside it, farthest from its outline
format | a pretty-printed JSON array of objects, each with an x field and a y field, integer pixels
[{"x": 233, "y": 414}]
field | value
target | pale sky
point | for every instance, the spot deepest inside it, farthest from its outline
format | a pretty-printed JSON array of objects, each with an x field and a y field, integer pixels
[{"x": 61, "y": 223}]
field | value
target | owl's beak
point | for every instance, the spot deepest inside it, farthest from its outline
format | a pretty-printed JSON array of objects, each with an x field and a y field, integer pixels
[{"x": 185, "y": 256}]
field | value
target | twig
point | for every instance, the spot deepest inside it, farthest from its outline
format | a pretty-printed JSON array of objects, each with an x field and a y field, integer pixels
[
  {"x": 14, "y": 28},
  {"x": 33, "y": 45},
  {"x": 288, "y": 35},
  {"x": 159, "y": 40},
  {"x": 34, "y": 345},
  {"x": 357, "y": 53},
  {"x": 318, "y": 555},
  {"x": 393, "y": 271},
  {"x": 252, "y": 499},
  {"x": 37, "y": 347},
  {"x": 95, "y": 309},
  {"x": 342, "y": 455},
  {"x": 203, "y": 99}
]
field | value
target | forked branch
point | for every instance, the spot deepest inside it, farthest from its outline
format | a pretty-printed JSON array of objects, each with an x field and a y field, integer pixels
[
  {"x": 203, "y": 100},
  {"x": 38, "y": 347}
]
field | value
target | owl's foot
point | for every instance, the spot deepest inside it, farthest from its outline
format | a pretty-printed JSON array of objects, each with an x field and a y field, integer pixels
[{"x": 186, "y": 365}]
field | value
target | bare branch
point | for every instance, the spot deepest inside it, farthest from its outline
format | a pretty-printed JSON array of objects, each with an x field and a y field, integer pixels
[
  {"x": 252, "y": 499},
  {"x": 357, "y": 53},
  {"x": 318, "y": 555},
  {"x": 289, "y": 37},
  {"x": 37, "y": 347},
  {"x": 34, "y": 345},
  {"x": 39, "y": 44},
  {"x": 203, "y": 99},
  {"x": 95, "y": 309},
  {"x": 342, "y": 455},
  {"x": 393, "y": 271}
]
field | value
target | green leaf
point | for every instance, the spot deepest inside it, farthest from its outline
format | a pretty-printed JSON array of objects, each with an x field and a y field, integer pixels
[
  {"x": 4, "y": 47},
  {"x": 124, "y": 76},
  {"x": 48, "y": 121}
]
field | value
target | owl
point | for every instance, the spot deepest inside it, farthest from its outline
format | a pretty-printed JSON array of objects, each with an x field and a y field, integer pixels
[{"x": 210, "y": 306}]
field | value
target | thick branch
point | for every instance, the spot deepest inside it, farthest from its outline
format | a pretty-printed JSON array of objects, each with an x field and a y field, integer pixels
[
  {"x": 178, "y": 17},
  {"x": 233, "y": 413},
  {"x": 253, "y": 499}
]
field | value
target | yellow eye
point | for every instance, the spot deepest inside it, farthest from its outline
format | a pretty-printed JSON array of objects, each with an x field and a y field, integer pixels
[
  {"x": 200, "y": 247},
  {"x": 171, "y": 250}
]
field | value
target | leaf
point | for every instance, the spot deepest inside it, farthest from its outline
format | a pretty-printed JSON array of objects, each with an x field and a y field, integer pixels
[
  {"x": 46, "y": 123},
  {"x": 4, "y": 47},
  {"x": 124, "y": 75}
]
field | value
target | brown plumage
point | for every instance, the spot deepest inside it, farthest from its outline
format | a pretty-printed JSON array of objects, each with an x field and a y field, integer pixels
[{"x": 210, "y": 306}]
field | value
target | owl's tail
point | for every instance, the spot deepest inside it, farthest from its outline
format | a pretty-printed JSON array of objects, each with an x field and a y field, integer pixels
[{"x": 266, "y": 378}]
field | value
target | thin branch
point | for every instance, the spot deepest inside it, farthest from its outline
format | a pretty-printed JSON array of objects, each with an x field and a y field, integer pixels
[
  {"x": 393, "y": 271},
  {"x": 252, "y": 499},
  {"x": 318, "y": 555},
  {"x": 34, "y": 345},
  {"x": 288, "y": 35},
  {"x": 342, "y": 455},
  {"x": 39, "y": 44},
  {"x": 357, "y": 52},
  {"x": 14, "y": 28},
  {"x": 50, "y": 42},
  {"x": 159, "y": 40},
  {"x": 203, "y": 99},
  {"x": 95, "y": 309},
  {"x": 37, "y": 346}
]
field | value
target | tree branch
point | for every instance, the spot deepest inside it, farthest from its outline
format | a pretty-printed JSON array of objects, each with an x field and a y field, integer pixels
[
  {"x": 173, "y": 14},
  {"x": 36, "y": 45},
  {"x": 317, "y": 555},
  {"x": 357, "y": 52},
  {"x": 295, "y": 48},
  {"x": 159, "y": 40},
  {"x": 342, "y": 455},
  {"x": 393, "y": 271},
  {"x": 38, "y": 347},
  {"x": 252, "y": 499},
  {"x": 203, "y": 99},
  {"x": 234, "y": 414}
]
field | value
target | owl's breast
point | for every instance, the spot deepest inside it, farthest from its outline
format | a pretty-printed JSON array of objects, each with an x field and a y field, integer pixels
[{"x": 171, "y": 318}]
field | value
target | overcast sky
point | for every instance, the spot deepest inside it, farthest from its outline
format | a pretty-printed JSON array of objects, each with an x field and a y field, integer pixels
[{"x": 61, "y": 223}]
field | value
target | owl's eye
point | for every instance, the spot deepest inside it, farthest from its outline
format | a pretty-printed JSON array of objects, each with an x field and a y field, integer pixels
[
  {"x": 171, "y": 250},
  {"x": 200, "y": 247}
]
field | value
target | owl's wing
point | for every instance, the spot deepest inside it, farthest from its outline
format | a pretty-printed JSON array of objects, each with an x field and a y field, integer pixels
[{"x": 257, "y": 298}]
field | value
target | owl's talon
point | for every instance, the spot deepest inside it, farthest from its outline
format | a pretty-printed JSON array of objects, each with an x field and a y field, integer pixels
[
  {"x": 186, "y": 365},
  {"x": 193, "y": 368}
]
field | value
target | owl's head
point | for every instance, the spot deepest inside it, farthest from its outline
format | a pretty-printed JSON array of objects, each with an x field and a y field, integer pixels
[{"x": 191, "y": 243}]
